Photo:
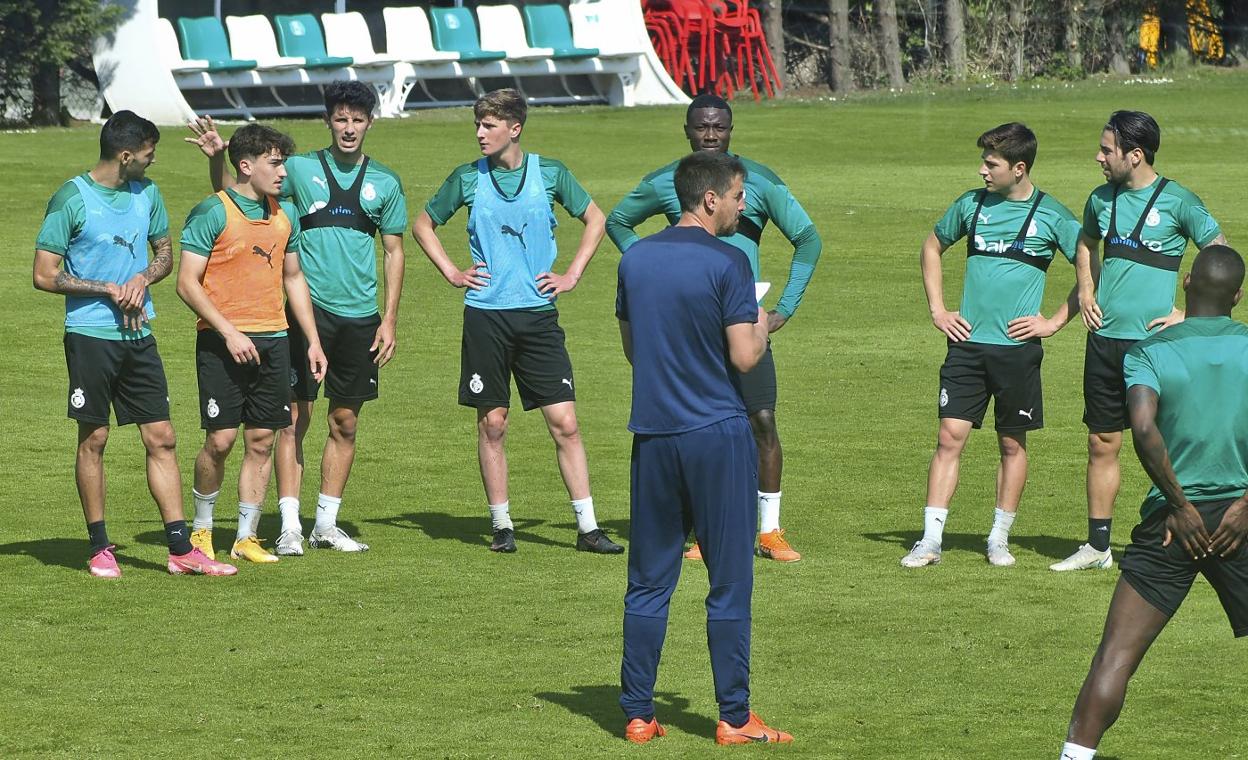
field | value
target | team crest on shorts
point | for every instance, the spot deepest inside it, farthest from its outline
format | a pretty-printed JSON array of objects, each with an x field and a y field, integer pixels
[
  {"x": 475, "y": 385},
  {"x": 944, "y": 398},
  {"x": 212, "y": 408},
  {"x": 294, "y": 377},
  {"x": 78, "y": 399}
]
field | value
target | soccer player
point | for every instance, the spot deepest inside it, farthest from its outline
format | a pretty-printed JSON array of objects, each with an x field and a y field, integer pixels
[
  {"x": 708, "y": 127},
  {"x": 511, "y": 326},
  {"x": 1145, "y": 221},
  {"x": 345, "y": 199},
  {"x": 1012, "y": 230},
  {"x": 689, "y": 321},
  {"x": 90, "y": 249},
  {"x": 1195, "y": 517},
  {"x": 240, "y": 253}
]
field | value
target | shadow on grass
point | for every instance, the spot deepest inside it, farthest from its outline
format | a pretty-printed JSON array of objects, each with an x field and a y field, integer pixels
[
  {"x": 223, "y": 532},
  {"x": 1047, "y": 546},
  {"x": 72, "y": 553},
  {"x": 472, "y": 530},
  {"x": 601, "y": 704}
]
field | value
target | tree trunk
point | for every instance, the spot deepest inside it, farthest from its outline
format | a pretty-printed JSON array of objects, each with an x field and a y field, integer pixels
[
  {"x": 931, "y": 27},
  {"x": 890, "y": 44},
  {"x": 773, "y": 28},
  {"x": 955, "y": 39},
  {"x": 1117, "y": 22},
  {"x": 45, "y": 87},
  {"x": 1174, "y": 31},
  {"x": 1235, "y": 30},
  {"x": 1016, "y": 22},
  {"x": 840, "y": 69},
  {"x": 1074, "y": 17}
]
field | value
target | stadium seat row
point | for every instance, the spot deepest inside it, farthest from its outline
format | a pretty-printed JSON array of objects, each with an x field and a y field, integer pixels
[{"x": 541, "y": 40}]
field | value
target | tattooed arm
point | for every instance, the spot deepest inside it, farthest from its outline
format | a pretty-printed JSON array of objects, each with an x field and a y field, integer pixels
[
  {"x": 51, "y": 278},
  {"x": 162, "y": 261}
]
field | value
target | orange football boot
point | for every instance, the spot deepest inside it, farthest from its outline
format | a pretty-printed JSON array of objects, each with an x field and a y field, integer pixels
[
  {"x": 754, "y": 731},
  {"x": 695, "y": 552},
  {"x": 639, "y": 732},
  {"x": 772, "y": 545}
]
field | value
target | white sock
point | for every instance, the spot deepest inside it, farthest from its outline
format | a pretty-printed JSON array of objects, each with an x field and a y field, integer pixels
[
  {"x": 204, "y": 504},
  {"x": 934, "y": 524},
  {"x": 248, "y": 519},
  {"x": 584, "y": 511},
  {"x": 289, "y": 507},
  {"x": 1072, "y": 751},
  {"x": 768, "y": 511},
  {"x": 1001, "y": 522},
  {"x": 326, "y": 512},
  {"x": 500, "y": 516}
]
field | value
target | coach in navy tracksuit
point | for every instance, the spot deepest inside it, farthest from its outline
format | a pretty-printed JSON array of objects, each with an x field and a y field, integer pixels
[{"x": 688, "y": 319}]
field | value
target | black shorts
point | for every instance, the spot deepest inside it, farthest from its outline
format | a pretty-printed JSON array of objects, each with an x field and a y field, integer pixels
[
  {"x": 1104, "y": 386},
  {"x": 347, "y": 343},
  {"x": 1009, "y": 374},
  {"x": 758, "y": 386},
  {"x": 126, "y": 374},
  {"x": 1164, "y": 574},
  {"x": 499, "y": 343},
  {"x": 233, "y": 394}
]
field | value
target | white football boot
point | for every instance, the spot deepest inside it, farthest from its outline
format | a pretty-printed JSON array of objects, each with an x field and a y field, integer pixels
[
  {"x": 999, "y": 554},
  {"x": 289, "y": 544},
  {"x": 924, "y": 553},
  {"x": 1086, "y": 558},
  {"x": 335, "y": 538}
]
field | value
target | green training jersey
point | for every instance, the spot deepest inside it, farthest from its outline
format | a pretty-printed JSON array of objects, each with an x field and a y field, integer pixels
[
  {"x": 65, "y": 217},
  {"x": 1002, "y": 283},
  {"x": 1199, "y": 369},
  {"x": 340, "y": 264},
  {"x": 1132, "y": 294},
  {"x": 460, "y": 188},
  {"x": 767, "y": 198}
]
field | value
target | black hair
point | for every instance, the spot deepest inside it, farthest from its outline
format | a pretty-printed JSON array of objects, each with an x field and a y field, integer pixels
[
  {"x": 701, "y": 171},
  {"x": 126, "y": 130},
  {"x": 706, "y": 100},
  {"x": 1135, "y": 129},
  {"x": 1014, "y": 141},
  {"x": 354, "y": 95},
  {"x": 1218, "y": 271},
  {"x": 255, "y": 140}
]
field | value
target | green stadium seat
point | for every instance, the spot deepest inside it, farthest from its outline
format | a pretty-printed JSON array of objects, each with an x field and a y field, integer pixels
[
  {"x": 203, "y": 39},
  {"x": 548, "y": 27},
  {"x": 455, "y": 30},
  {"x": 299, "y": 36}
]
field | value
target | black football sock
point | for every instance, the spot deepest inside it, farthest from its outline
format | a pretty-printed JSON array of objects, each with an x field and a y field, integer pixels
[
  {"x": 1098, "y": 533},
  {"x": 97, "y": 535},
  {"x": 178, "y": 537}
]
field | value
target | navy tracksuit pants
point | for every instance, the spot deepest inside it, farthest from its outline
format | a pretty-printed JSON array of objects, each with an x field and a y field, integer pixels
[{"x": 707, "y": 480}]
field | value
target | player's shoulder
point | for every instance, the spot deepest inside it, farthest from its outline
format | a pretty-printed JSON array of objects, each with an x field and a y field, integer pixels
[
  {"x": 205, "y": 207},
  {"x": 666, "y": 170},
  {"x": 1051, "y": 204},
  {"x": 463, "y": 170},
  {"x": 971, "y": 198},
  {"x": 68, "y": 191},
  {"x": 1102, "y": 194},
  {"x": 379, "y": 169},
  {"x": 756, "y": 171},
  {"x": 1181, "y": 193},
  {"x": 288, "y": 208}
]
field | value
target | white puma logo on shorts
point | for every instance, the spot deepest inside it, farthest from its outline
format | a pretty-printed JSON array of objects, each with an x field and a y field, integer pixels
[{"x": 1027, "y": 413}]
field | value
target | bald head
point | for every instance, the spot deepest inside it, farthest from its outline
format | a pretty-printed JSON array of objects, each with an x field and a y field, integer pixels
[{"x": 1215, "y": 282}]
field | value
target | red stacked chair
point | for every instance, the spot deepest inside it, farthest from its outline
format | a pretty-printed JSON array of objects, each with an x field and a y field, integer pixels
[{"x": 718, "y": 33}]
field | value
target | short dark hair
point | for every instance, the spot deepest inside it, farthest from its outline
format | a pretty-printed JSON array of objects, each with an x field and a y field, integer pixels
[
  {"x": 506, "y": 104},
  {"x": 126, "y": 130},
  {"x": 354, "y": 95},
  {"x": 1014, "y": 141},
  {"x": 1135, "y": 129},
  {"x": 1218, "y": 271},
  {"x": 255, "y": 140},
  {"x": 706, "y": 100},
  {"x": 703, "y": 170}
]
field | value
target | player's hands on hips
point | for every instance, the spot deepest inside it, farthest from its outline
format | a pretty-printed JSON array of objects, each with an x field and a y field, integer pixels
[
  {"x": 1027, "y": 328},
  {"x": 317, "y": 363},
  {"x": 775, "y": 320},
  {"x": 242, "y": 349},
  {"x": 1185, "y": 526},
  {"x": 1232, "y": 531},
  {"x": 206, "y": 136},
  {"x": 1173, "y": 318},
  {"x": 952, "y": 325},
  {"x": 550, "y": 284},
  {"x": 383, "y": 343},
  {"x": 473, "y": 278},
  {"x": 1090, "y": 310}
]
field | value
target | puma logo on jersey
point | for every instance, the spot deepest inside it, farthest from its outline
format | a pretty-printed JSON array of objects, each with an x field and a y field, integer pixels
[
  {"x": 982, "y": 218},
  {"x": 321, "y": 182},
  {"x": 266, "y": 255},
  {"x": 128, "y": 245},
  {"x": 1027, "y": 413},
  {"x": 506, "y": 229}
]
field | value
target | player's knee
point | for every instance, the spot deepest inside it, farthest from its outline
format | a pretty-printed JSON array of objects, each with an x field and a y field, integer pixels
[
  {"x": 219, "y": 443},
  {"x": 1104, "y": 445},
  {"x": 92, "y": 442},
  {"x": 159, "y": 439},
  {"x": 492, "y": 427},
  {"x": 1011, "y": 447},
  {"x": 950, "y": 441},
  {"x": 260, "y": 444},
  {"x": 342, "y": 425},
  {"x": 566, "y": 428},
  {"x": 763, "y": 423}
]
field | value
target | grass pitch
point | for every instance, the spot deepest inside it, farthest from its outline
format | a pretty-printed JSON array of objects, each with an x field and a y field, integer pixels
[{"x": 432, "y": 646}]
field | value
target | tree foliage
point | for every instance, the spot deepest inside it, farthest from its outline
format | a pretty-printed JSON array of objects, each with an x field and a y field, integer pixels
[{"x": 37, "y": 39}]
